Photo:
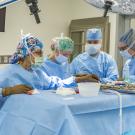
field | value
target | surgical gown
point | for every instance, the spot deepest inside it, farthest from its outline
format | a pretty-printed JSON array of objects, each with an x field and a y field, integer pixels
[
  {"x": 15, "y": 74},
  {"x": 103, "y": 66},
  {"x": 52, "y": 68},
  {"x": 130, "y": 64}
]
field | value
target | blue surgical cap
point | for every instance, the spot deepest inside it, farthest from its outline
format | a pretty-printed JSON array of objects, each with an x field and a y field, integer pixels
[
  {"x": 94, "y": 34},
  {"x": 128, "y": 37}
]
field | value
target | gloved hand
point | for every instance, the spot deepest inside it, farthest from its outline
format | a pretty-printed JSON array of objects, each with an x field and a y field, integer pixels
[
  {"x": 18, "y": 89},
  {"x": 95, "y": 77},
  {"x": 87, "y": 78},
  {"x": 80, "y": 75}
]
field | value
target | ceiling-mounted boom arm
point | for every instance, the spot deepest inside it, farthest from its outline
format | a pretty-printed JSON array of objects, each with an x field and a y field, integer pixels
[
  {"x": 34, "y": 10},
  {"x": 107, "y": 7},
  {"x": 32, "y": 4}
]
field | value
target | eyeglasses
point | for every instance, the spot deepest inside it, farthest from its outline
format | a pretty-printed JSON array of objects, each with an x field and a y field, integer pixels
[
  {"x": 122, "y": 48},
  {"x": 93, "y": 42}
]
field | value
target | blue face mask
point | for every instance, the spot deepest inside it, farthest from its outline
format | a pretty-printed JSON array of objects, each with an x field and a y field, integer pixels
[
  {"x": 125, "y": 54},
  {"x": 92, "y": 49},
  {"x": 61, "y": 59}
]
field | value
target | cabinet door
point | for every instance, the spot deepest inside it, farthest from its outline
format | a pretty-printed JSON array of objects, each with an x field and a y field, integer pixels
[{"x": 77, "y": 37}]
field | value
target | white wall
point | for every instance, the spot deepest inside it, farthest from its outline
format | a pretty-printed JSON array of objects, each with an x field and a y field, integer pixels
[
  {"x": 54, "y": 21},
  {"x": 55, "y": 16}
]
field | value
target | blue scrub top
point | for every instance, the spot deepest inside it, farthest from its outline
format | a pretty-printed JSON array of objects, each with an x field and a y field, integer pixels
[
  {"x": 15, "y": 74},
  {"x": 131, "y": 65},
  {"x": 104, "y": 66},
  {"x": 52, "y": 68}
]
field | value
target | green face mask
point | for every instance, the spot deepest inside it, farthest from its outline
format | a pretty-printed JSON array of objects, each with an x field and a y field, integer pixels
[{"x": 39, "y": 61}]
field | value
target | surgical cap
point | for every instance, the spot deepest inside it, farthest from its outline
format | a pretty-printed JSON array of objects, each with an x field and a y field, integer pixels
[
  {"x": 62, "y": 44},
  {"x": 128, "y": 37},
  {"x": 27, "y": 45},
  {"x": 94, "y": 34}
]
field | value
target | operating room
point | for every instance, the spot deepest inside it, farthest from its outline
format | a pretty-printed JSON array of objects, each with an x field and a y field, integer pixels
[{"x": 67, "y": 67}]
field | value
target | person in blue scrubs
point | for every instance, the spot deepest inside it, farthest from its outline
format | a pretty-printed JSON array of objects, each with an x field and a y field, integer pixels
[
  {"x": 57, "y": 63},
  {"x": 24, "y": 73},
  {"x": 94, "y": 61},
  {"x": 126, "y": 46}
]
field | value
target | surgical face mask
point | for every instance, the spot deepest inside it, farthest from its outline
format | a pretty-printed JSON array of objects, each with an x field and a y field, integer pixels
[
  {"x": 39, "y": 61},
  {"x": 61, "y": 59},
  {"x": 125, "y": 54},
  {"x": 92, "y": 49}
]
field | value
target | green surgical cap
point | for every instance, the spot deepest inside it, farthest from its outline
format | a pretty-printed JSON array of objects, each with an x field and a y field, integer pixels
[{"x": 62, "y": 44}]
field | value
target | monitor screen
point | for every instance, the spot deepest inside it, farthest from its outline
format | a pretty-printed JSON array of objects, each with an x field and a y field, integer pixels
[{"x": 2, "y": 19}]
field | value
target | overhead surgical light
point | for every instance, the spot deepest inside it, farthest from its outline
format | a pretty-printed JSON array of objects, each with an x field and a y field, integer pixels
[{"x": 126, "y": 7}]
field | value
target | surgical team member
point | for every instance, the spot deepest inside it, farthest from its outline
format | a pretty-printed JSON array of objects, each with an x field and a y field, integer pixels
[
  {"x": 127, "y": 50},
  {"x": 24, "y": 74},
  {"x": 57, "y": 63},
  {"x": 94, "y": 61}
]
